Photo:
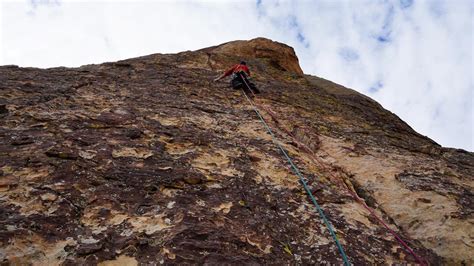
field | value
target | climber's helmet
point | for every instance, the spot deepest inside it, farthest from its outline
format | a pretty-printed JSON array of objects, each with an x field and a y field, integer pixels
[{"x": 243, "y": 63}]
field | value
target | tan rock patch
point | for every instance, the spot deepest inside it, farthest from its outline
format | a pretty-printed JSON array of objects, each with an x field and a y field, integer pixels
[
  {"x": 23, "y": 251},
  {"x": 224, "y": 207},
  {"x": 424, "y": 222},
  {"x": 274, "y": 170},
  {"x": 48, "y": 197},
  {"x": 95, "y": 221},
  {"x": 87, "y": 154},
  {"x": 216, "y": 162},
  {"x": 254, "y": 130},
  {"x": 354, "y": 212},
  {"x": 117, "y": 219},
  {"x": 202, "y": 121},
  {"x": 180, "y": 148},
  {"x": 8, "y": 182},
  {"x": 149, "y": 225},
  {"x": 170, "y": 255},
  {"x": 166, "y": 121},
  {"x": 140, "y": 153},
  {"x": 120, "y": 261},
  {"x": 146, "y": 224},
  {"x": 266, "y": 249},
  {"x": 169, "y": 192},
  {"x": 30, "y": 174},
  {"x": 19, "y": 195}
]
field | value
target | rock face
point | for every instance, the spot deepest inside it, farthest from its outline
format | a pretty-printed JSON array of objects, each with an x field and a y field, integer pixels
[{"x": 146, "y": 161}]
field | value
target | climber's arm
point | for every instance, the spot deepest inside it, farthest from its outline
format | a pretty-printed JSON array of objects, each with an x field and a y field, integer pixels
[{"x": 226, "y": 73}]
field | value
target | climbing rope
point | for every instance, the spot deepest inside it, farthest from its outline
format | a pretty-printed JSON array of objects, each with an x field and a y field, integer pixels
[
  {"x": 298, "y": 173},
  {"x": 354, "y": 195}
]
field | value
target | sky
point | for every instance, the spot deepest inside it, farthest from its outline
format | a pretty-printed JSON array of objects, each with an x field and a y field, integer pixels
[{"x": 415, "y": 57}]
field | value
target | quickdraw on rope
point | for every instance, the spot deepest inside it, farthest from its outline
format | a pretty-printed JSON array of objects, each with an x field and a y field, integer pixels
[
  {"x": 298, "y": 173},
  {"x": 354, "y": 195}
]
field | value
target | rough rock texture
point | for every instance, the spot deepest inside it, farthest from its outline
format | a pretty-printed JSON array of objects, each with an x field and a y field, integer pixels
[{"x": 147, "y": 161}]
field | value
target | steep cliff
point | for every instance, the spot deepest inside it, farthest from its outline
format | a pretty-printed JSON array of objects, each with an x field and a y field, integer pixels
[{"x": 147, "y": 160}]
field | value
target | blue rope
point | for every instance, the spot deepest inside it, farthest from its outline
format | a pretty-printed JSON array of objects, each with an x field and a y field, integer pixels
[{"x": 298, "y": 173}]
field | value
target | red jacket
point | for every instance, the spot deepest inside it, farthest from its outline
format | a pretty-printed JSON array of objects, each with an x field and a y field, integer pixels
[{"x": 237, "y": 68}]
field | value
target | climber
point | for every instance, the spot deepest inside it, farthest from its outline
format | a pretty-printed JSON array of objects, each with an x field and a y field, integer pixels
[{"x": 238, "y": 72}]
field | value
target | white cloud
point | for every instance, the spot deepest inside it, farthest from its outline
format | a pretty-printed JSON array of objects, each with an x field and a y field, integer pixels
[{"x": 414, "y": 57}]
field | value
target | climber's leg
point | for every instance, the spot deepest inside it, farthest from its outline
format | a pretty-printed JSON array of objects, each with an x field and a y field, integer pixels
[
  {"x": 236, "y": 83},
  {"x": 254, "y": 88},
  {"x": 251, "y": 85}
]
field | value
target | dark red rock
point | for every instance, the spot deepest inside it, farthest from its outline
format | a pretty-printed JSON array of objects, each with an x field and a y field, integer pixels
[
  {"x": 61, "y": 153},
  {"x": 86, "y": 249}
]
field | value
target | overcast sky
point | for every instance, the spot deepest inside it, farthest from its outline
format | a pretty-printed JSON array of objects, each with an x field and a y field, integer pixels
[{"x": 415, "y": 57}]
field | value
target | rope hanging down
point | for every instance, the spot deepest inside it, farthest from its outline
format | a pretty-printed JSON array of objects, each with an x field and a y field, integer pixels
[
  {"x": 420, "y": 260},
  {"x": 313, "y": 157},
  {"x": 298, "y": 173}
]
